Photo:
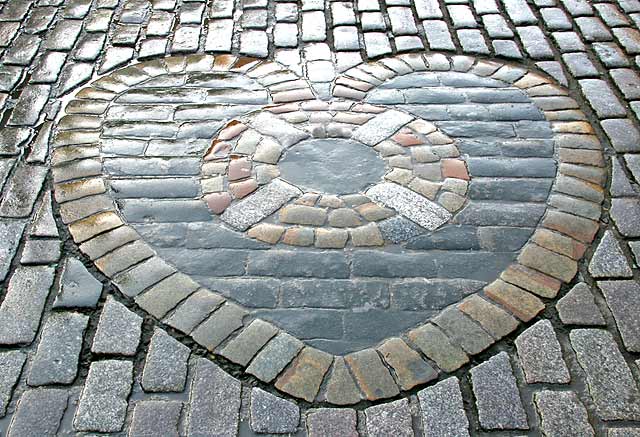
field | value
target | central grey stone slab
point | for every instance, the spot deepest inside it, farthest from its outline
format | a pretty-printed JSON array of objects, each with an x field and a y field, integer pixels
[{"x": 332, "y": 165}]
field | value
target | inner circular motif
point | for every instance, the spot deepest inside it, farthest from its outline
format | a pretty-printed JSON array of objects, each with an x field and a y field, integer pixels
[{"x": 332, "y": 165}]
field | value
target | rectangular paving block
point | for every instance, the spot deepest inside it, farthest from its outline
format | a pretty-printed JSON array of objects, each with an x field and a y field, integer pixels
[
  {"x": 609, "y": 378},
  {"x": 103, "y": 402},
  {"x": 39, "y": 412},
  {"x": 443, "y": 410},
  {"x": 11, "y": 363},
  {"x": 10, "y": 234},
  {"x": 165, "y": 366},
  {"x": 623, "y": 298},
  {"x": 214, "y": 401},
  {"x": 24, "y": 301}
]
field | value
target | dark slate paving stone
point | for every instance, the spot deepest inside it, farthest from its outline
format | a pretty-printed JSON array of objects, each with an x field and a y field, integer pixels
[
  {"x": 56, "y": 360},
  {"x": 503, "y": 239},
  {"x": 252, "y": 293},
  {"x": 280, "y": 263},
  {"x": 164, "y": 211},
  {"x": 152, "y": 166},
  {"x": 78, "y": 288},
  {"x": 39, "y": 412},
  {"x": 524, "y": 190},
  {"x": 223, "y": 262},
  {"x": 205, "y": 235},
  {"x": 392, "y": 265},
  {"x": 443, "y": 409},
  {"x": 611, "y": 384},
  {"x": 151, "y": 417},
  {"x": 471, "y": 129},
  {"x": 24, "y": 301},
  {"x": 273, "y": 415},
  {"x": 431, "y": 294},
  {"x": 516, "y": 168},
  {"x": 497, "y": 396},
  {"x": 214, "y": 401},
  {"x": 154, "y": 188},
  {"x": 335, "y": 294},
  {"x": 305, "y": 323},
  {"x": 510, "y": 214},
  {"x": 448, "y": 237}
]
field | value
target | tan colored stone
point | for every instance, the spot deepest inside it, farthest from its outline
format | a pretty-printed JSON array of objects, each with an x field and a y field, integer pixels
[
  {"x": 266, "y": 232},
  {"x": 303, "y": 377},
  {"x": 522, "y": 304},
  {"x": 427, "y": 188},
  {"x": 436, "y": 346},
  {"x": 373, "y": 212},
  {"x": 341, "y": 387},
  {"x": 298, "y": 236},
  {"x": 531, "y": 280},
  {"x": 303, "y": 215},
  {"x": 546, "y": 261},
  {"x": 409, "y": 367},
  {"x": 493, "y": 319},
  {"x": 580, "y": 228},
  {"x": 244, "y": 188},
  {"x": 96, "y": 224},
  {"x": 331, "y": 238},
  {"x": 559, "y": 243}
]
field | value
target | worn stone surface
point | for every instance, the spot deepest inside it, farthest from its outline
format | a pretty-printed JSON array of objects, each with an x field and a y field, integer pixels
[
  {"x": 390, "y": 418},
  {"x": 497, "y": 396},
  {"x": 578, "y": 307},
  {"x": 562, "y": 413},
  {"x": 165, "y": 367},
  {"x": 39, "y": 412},
  {"x": 622, "y": 299},
  {"x": 270, "y": 414},
  {"x": 541, "y": 356},
  {"x": 78, "y": 288},
  {"x": 443, "y": 410},
  {"x": 608, "y": 260},
  {"x": 609, "y": 378}
]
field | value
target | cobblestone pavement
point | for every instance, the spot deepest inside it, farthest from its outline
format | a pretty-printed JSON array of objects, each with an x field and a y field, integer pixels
[{"x": 322, "y": 218}]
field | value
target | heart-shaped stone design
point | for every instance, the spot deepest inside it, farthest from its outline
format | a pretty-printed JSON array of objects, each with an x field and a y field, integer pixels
[{"x": 166, "y": 173}]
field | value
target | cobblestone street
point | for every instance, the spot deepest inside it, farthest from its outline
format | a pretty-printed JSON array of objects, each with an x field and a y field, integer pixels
[{"x": 320, "y": 218}]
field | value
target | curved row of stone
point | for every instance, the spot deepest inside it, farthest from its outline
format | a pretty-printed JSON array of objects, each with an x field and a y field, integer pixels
[
  {"x": 273, "y": 356},
  {"x": 245, "y": 155}
]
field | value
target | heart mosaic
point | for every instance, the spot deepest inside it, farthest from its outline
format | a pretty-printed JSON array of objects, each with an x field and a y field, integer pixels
[{"x": 415, "y": 217}]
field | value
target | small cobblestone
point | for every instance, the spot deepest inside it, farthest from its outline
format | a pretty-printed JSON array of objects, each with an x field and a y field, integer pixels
[
  {"x": 541, "y": 356},
  {"x": 165, "y": 368},
  {"x": 118, "y": 330},
  {"x": 270, "y": 414},
  {"x": 562, "y": 413},
  {"x": 578, "y": 307}
]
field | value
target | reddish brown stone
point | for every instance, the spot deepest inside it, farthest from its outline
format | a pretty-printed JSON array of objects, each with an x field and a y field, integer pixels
[
  {"x": 559, "y": 243},
  {"x": 218, "y": 149},
  {"x": 244, "y": 188},
  {"x": 224, "y": 62},
  {"x": 522, "y": 304},
  {"x": 305, "y": 375},
  {"x": 232, "y": 130},
  {"x": 581, "y": 229},
  {"x": 406, "y": 139},
  {"x": 410, "y": 368},
  {"x": 454, "y": 168},
  {"x": 581, "y": 156},
  {"x": 218, "y": 202},
  {"x": 239, "y": 168},
  {"x": 532, "y": 281}
]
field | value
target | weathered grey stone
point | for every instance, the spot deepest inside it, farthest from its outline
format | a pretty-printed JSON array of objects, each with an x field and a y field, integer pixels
[
  {"x": 260, "y": 204},
  {"x": 380, "y": 127},
  {"x": 40, "y": 252},
  {"x": 22, "y": 190},
  {"x": 437, "y": 346},
  {"x": 78, "y": 288},
  {"x": 497, "y": 395},
  {"x": 624, "y": 212},
  {"x": 274, "y": 357},
  {"x": 194, "y": 310},
  {"x": 463, "y": 331},
  {"x": 609, "y": 378},
  {"x": 10, "y": 234},
  {"x": 341, "y": 389},
  {"x": 562, "y": 413},
  {"x": 103, "y": 402},
  {"x": 11, "y": 363},
  {"x": 411, "y": 205},
  {"x": 118, "y": 330},
  {"x": 142, "y": 276},
  {"x": 165, "y": 368},
  {"x": 578, "y": 307},
  {"x": 541, "y": 356},
  {"x": 214, "y": 401},
  {"x": 392, "y": 418},
  {"x": 246, "y": 344},
  {"x": 220, "y": 325},
  {"x": 23, "y": 303},
  {"x": 608, "y": 260},
  {"x": 623, "y": 298},
  {"x": 273, "y": 415},
  {"x": 56, "y": 360},
  {"x": 373, "y": 378},
  {"x": 156, "y": 417},
  {"x": 166, "y": 294},
  {"x": 443, "y": 410},
  {"x": 39, "y": 412},
  {"x": 331, "y": 422}
]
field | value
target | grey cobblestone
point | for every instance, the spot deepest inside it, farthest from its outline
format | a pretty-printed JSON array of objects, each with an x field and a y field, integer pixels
[
  {"x": 12, "y": 363},
  {"x": 562, "y": 413},
  {"x": 443, "y": 410},
  {"x": 39, "y": 412},
  {"x": 165, "y": 368},
  {"x": 390, "y": 418},
  {"x": 541, "y": 356},
  {"x": 118, "y": 330},
  {"x": 156, "y": 418}
]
